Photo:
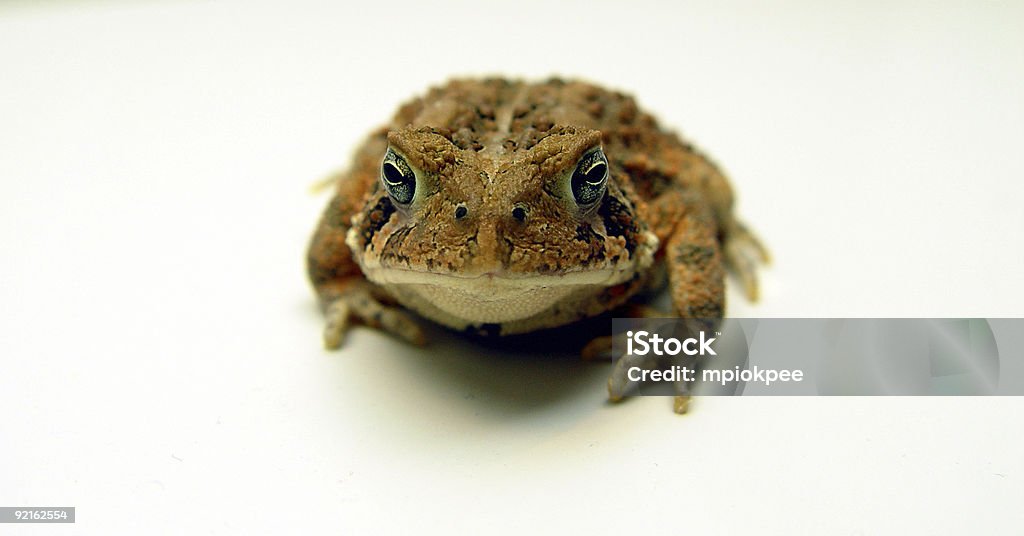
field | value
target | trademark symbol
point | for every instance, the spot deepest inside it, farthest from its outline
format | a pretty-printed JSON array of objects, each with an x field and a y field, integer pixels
[{"x": 719, "y": 333}]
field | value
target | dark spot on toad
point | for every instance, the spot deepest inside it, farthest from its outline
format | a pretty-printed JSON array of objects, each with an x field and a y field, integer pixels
[
  {"x": 693, "y": 255},
  {"x": 707, "y": 309},
  {"x": 618, "y": 221},
  {"x": 377, "y": 218},
  {"x": 596, "y": 252}
]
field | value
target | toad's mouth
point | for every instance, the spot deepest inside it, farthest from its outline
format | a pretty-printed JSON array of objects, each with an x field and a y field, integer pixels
[
  {"x": 496, "y": 279},
  {"x": 490, "y": 297}
]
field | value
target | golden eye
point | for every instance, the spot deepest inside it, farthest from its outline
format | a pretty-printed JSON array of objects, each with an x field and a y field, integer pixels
[
  {"x": 398, "y": 178},
  {"x": 589, "y": 178}
]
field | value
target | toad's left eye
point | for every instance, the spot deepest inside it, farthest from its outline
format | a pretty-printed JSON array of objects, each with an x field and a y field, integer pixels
[
  {"x": 589, "y": 178},
  {"x": 398, "y": 178}
]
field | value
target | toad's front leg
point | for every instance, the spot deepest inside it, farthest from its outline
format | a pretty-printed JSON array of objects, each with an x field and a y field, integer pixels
[{"x": 358, "y": 300}]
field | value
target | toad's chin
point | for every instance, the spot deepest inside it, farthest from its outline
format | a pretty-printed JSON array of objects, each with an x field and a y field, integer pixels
[{"x": 458, "y": 300}]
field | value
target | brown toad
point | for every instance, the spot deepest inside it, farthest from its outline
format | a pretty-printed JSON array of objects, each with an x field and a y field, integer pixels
[{"x": 505, "y": 207}]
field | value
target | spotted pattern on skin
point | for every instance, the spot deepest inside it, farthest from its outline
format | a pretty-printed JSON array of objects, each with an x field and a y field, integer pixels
[
  {"x": 618, "y": 221},
  {"x": 694, "y": 255},
  {"x": 585, "y": 233},
  {"x": 376, "y": 219}
]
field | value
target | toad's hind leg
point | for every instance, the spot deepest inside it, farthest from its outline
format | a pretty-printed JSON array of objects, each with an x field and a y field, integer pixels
[
  {"x": 743, "y": 253},
  {"x": 693, "y": 258},
  {"x": 696, "y": 276}
]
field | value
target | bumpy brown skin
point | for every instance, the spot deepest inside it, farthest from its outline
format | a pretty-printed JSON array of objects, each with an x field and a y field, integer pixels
[{"x": 493, "y": 145}]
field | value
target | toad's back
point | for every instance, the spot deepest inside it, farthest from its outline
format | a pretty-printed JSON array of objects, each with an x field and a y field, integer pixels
[{"x": 499, "y": 117}]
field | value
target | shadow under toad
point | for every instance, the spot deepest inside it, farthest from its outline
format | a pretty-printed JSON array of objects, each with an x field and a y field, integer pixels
[{"x": 516, "y": 373}]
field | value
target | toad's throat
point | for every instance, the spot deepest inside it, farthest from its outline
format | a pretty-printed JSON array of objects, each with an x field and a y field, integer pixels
[
  {"x": 488, "y": 298},
  {"x": 502, "y": 305}
]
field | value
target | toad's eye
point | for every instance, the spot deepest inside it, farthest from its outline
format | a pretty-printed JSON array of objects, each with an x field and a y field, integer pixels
[
  {"x": 589, "y": 178},
  {"x": 398, "y": 178}
]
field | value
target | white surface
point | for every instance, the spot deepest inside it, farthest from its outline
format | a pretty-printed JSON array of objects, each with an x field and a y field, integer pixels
[{"x": 160, "y": 359}]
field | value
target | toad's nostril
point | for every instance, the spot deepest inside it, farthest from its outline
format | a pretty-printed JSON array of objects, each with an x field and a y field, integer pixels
[
  {"x": 460, "y": 212},
  {"x": 519, "y": 213}
]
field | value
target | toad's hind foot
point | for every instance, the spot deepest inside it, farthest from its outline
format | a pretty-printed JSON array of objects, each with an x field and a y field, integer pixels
[
  {"x": 620, "y": 384},
  {"x": 743, "y": 253},
  {"x": 358, "y": 304},
  {"x": 681, "y": 404}
]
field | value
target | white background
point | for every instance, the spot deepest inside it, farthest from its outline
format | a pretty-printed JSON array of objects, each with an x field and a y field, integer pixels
[{"x": 160, "y": 359}]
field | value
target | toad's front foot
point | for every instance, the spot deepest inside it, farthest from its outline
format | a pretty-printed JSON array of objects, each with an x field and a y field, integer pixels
[
  {"x": 621, "y": 382},
  {"x": 357, "y": 303}
]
